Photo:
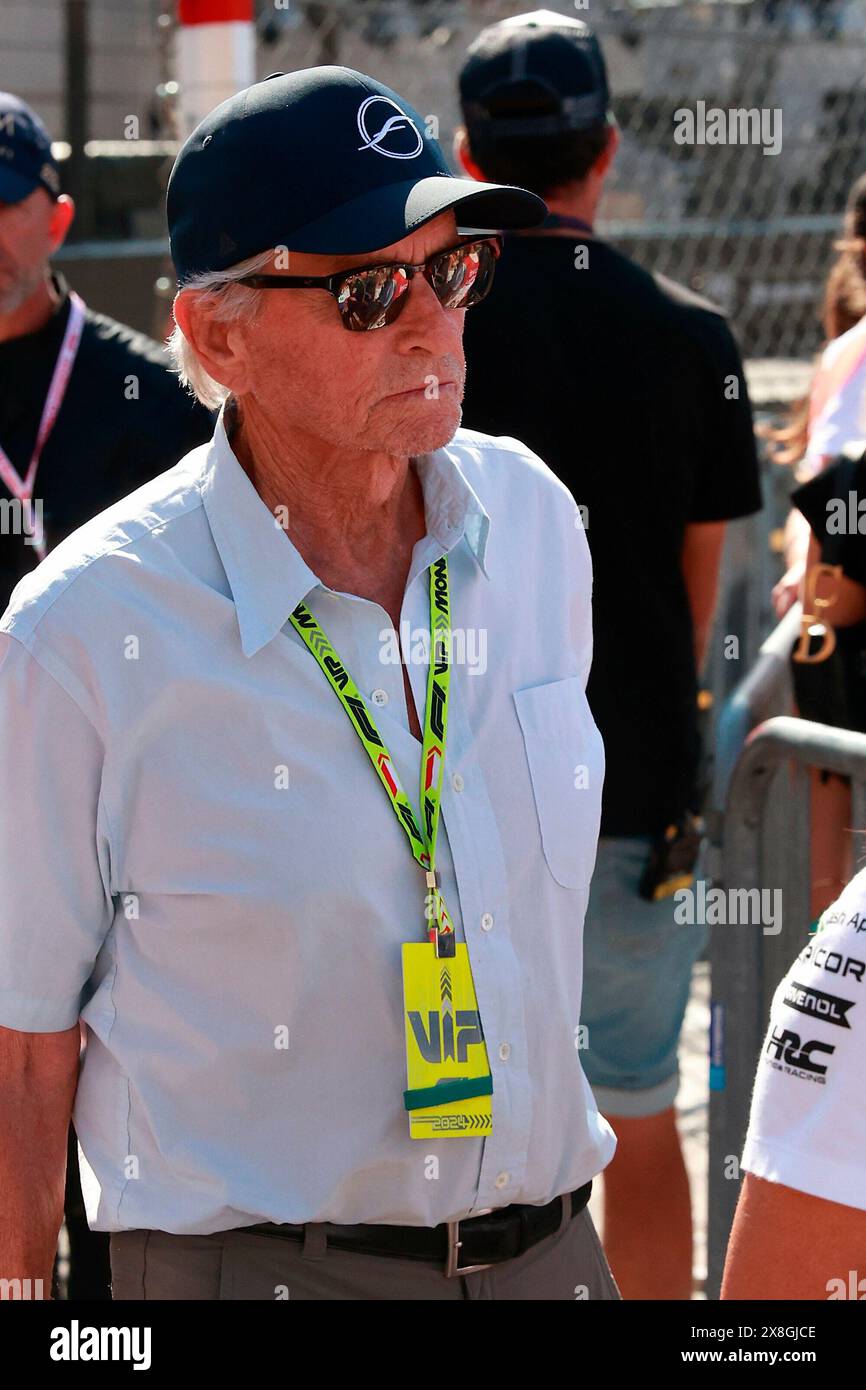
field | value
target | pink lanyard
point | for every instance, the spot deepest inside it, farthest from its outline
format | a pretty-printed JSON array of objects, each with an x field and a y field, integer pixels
[{"x": 22, "y": 488}]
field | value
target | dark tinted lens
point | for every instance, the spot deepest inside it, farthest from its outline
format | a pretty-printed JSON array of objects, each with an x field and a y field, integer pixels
[
  {"x": 371, "y": 298},
  {"x": 463, "y": 277}
]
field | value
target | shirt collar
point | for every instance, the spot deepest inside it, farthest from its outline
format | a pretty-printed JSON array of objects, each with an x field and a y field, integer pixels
[{"x": 268, "y": 576}]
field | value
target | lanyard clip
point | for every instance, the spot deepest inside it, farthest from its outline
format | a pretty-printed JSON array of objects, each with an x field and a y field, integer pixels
[
  {"x": 441, "y": 932},
  {"x": 444, "y": 944}
]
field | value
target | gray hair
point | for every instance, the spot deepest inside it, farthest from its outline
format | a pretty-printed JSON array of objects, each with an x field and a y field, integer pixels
[{"x": 231, "y": 302}]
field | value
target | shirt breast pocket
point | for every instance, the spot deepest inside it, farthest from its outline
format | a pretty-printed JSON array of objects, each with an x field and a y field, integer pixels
[{"x": 565, "y": 753}]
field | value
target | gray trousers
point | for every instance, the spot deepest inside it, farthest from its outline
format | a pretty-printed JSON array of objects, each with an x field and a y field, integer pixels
[{"x": 239, "y": 1265}]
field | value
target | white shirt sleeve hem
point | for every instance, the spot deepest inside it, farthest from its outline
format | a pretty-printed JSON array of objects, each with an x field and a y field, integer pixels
[
  {"x": 25, "y": 1014},
  {"x": 821, "y": 1177}
]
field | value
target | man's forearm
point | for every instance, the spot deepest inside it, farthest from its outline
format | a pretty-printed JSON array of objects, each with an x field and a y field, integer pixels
[
  {"x": 34, "y": 1124},
  {"x": 701, "y": 558}
]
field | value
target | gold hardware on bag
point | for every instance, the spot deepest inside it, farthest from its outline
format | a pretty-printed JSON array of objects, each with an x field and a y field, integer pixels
[{"x": 812, "y": 624}]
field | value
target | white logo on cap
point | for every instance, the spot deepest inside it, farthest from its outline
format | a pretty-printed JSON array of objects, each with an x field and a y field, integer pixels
[
  {"x": 394, "y": 123},
  {"x": 49, "y": 175}
]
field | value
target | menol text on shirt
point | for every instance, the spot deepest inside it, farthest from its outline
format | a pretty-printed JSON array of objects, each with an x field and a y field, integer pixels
[{"x": 818, "y": 1003}]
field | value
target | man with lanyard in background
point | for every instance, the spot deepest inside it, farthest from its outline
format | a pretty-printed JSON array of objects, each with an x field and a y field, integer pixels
[
  {"x": 89, "y": 410},
  {"x": 320, "y": 1066},
  {"x": 631, "y": 388}
]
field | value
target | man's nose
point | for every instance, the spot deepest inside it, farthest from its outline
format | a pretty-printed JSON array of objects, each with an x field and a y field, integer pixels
[{"x": 424, "y": 310}]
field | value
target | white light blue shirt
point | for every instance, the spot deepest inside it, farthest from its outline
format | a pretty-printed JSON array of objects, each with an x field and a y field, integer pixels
[{"x": 197, "y": 859}]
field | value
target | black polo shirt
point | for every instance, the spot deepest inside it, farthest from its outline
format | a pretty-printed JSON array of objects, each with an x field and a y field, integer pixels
[
  {"x": 631, "y": 389},
  {"x": 124, "y": 418}
]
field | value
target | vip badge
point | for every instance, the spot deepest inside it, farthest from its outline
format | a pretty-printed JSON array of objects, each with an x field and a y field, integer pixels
[{"x": 449, "y": 1091}]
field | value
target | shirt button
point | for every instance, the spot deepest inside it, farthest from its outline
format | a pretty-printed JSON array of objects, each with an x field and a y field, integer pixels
[
  {"x": 505, "y": 1051},
  {"x": 502, "y": 1180},
  {"x": 379, "y": 697},
  {"x": 457, "y": 782},
  {"x": 487, "y": 921}
]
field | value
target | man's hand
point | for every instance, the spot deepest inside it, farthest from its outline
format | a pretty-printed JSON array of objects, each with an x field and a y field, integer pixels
[{"x": 788, "y": 588}]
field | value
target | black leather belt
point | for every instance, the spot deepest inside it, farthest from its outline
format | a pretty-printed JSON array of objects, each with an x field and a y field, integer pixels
[{"x": 461, "y": 1246}]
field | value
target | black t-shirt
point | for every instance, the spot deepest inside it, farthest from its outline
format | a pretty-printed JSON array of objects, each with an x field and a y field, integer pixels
[
  {"x": 124, "y": 419},
  {"x": 631, "y": 389}
]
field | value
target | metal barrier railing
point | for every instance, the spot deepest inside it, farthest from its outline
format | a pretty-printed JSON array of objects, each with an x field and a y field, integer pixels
[
  {"x": 765, "y": 846},
  {"x": 766, "y": 690}
]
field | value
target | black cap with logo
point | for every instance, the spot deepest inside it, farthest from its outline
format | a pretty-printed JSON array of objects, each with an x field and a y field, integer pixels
[
  {"x": 26, "y": 161},
  {"x": 534, "y": 74},
  {"x": 322, "y": 160}
]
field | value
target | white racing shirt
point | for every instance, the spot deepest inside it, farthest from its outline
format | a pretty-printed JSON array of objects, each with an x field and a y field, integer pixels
[{"x": 808, "y": 1121}]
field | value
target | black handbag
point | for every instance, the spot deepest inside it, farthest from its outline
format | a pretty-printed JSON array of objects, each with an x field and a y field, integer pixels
[{"x": 833, "y": 691}]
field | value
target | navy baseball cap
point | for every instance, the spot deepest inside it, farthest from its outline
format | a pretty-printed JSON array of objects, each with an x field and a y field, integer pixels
[
  {"x": 323, "y": 160},
  {"x": 26, "y": 161},
  {"x": 534, "y": 74}
]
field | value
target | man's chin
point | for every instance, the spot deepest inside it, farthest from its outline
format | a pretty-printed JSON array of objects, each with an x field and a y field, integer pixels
[
  {"x": 12, "y": 296},
  {"x": 431, "y": 430}
]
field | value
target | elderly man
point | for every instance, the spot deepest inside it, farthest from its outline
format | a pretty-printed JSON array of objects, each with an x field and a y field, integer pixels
[{"x": 333, "y": 1046}]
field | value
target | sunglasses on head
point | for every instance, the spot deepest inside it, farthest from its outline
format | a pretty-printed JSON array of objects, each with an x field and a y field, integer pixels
[{"x": 371, "y": 296}]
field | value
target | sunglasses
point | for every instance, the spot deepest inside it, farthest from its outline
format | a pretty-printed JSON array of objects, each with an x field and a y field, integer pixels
[{"x": 371, "y": 296}]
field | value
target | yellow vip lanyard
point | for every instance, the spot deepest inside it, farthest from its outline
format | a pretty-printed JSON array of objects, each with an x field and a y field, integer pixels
[
  {"x": 440, "y": 929},
  {"x": 450, "y": 1088}
]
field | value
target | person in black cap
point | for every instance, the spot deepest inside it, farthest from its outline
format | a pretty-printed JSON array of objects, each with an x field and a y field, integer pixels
[
  {"x": 89, "y": 409},
  {"x": 335, "y": 1030},
  {"x": 631, "y": 388}
]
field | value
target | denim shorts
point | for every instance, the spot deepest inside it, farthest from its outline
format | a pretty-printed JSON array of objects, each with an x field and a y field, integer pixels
[{"x": 636, "y": 980}]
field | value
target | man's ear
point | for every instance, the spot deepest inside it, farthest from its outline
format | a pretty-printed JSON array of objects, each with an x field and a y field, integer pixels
[
  {"x": 463, "y": 155},
  {"x": 606, "y": 158},
  {"x": 60, "y": 221},
  {"x": 212, "y": 340}
]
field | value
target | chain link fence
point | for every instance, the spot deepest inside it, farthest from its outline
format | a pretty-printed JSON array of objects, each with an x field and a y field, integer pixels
[{"x": 744, "y": 207}]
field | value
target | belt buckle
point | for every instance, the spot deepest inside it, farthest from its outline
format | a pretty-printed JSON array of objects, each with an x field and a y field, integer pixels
[{"x": 452, "y": 1267}]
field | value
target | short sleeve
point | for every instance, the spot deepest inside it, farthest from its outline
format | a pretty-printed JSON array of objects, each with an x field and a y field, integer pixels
[
  {"x": 807, "y": 1127},
  {"x": 713, "y": 401},
  {"x": 826, "y": 503},
  {"x": 55, "y": 901}
]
